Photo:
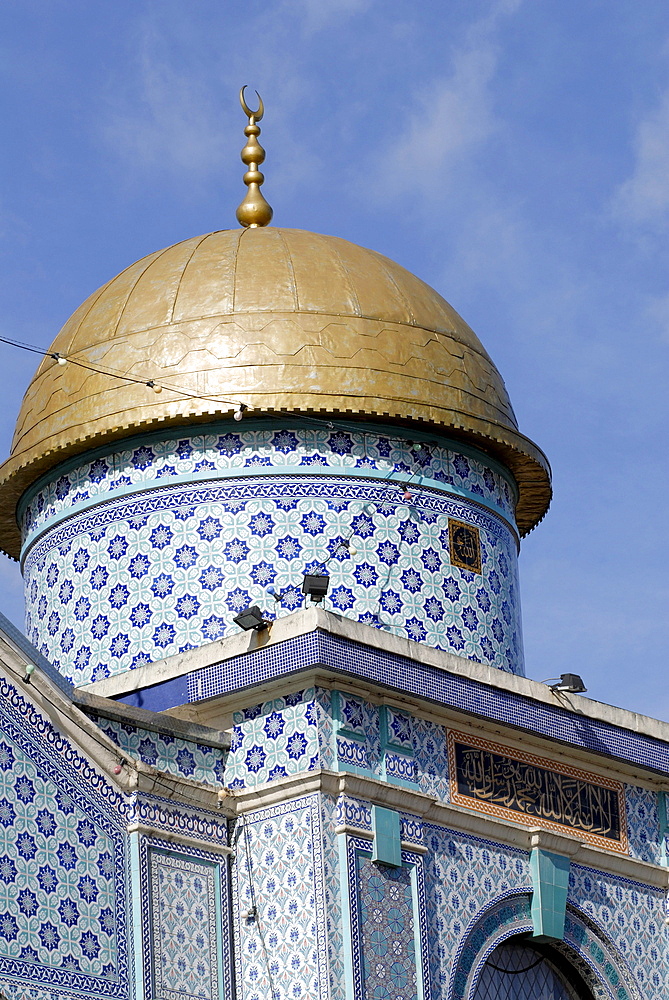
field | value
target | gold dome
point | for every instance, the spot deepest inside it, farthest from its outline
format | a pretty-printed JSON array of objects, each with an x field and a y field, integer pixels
[{"x": 281, "y": 320}]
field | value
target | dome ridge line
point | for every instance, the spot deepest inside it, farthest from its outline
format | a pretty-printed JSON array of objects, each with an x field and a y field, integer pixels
[
  {"x": 241, "y": 233},
  {"x": 96, "y": 295},
  {"x": 197, "y": 246},
  {"x": 334, "y": 251},
  {"x": 399, "y": 291},
  {"x": 82, "y": 319},
  {"x": 291, "y": 265},
  {"x": 156, "y": 257}
]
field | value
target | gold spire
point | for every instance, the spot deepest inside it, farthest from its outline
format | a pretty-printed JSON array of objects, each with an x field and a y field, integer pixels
[{"x": 254, "y": 210}]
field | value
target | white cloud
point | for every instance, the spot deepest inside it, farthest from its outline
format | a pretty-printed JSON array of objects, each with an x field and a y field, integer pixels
[
  {"x": 644, "y": 197},
  {"x": 448, "y": 123},
  {"x": 169, "y": 120},
  {"x": 658, "y": 314},
  {"x": 452, "y": 118},
  {"x": 320, "y": 14}
]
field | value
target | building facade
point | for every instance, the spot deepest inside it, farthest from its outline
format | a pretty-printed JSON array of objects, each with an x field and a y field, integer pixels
[{"x": 362, "y": 797}]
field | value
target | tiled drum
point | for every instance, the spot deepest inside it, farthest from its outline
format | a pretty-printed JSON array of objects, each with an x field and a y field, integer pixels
[{"x": 152, "y": 549}]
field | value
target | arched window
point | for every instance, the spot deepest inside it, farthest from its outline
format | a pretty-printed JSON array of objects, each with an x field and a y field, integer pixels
[{"x": 520, "y": 969}]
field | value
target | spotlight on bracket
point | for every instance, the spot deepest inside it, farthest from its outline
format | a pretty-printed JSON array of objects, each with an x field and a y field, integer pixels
[
  {"x": 252, "y": 618},
  {"x": 569, "y": 684},
  {"x": 315, "y": 585}
]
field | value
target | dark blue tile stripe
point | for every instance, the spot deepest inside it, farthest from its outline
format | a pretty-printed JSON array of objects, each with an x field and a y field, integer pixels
[{"x": 421, "y": 681}]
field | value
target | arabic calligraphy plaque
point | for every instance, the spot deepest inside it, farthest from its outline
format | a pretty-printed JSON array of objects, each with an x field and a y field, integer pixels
[
  {"x": 531, "y": 790},
  {"x": 465, "y": 545}
]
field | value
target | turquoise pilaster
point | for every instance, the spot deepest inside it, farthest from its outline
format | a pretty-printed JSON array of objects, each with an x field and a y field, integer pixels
[
  {"x": 135, "y": 894},
  {"x": 664, "y": 826},
  {"x": 550, "y": 882},
  {"x": 387, "y": 843}
]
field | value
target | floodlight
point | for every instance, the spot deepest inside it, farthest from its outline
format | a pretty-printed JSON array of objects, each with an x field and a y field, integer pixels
[
  {"x": 570, "y": 684},
  {"x": 315, "y": 585},
  {"x": 251, "y": 618}
]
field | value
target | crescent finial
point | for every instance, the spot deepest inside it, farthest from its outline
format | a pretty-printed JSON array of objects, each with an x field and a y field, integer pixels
[
  {"x": 257, "y": 115},
  {"x": 254, "y": 211}
]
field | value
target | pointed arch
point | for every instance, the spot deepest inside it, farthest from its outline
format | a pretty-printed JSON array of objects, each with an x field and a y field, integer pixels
[{"x": 586, "y": 949}]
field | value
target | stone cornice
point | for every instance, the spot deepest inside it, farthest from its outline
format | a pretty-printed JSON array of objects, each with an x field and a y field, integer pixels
[
  {"x": 316, "y": 619},
  {"x": 430, "y": 810}
]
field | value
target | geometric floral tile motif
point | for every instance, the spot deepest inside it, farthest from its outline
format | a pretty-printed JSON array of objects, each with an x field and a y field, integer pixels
[
  {"x": 167, "y": 753},
  {"x": 355, "y": 716},
  {"x": 323, "y": 711},
  {"x": 19, "y": 991},
  {"x": 399, "y": 766},
  {"x": 257, "y": 757},
  {"x": 388, "y": 927},
  {"x": 643, "y": 824},
  {"x": 278, "y": 869},
  {"x": 62, "y": 861},
  {"x": 431, "y": 759},
  {"x": 269, "y": 446},
  {"x": 398, "y": 729},
  {"x": 424, "y": 756},
  {"x": 632, "y": 916},
  {"x": 139, "y": 576},
  {"x": 272, "y": 740},
  {"x": 332, "y": 885},
  {"x": 295, "y": 733},
  {"x": 388, "y": 945},
  {"x": 462, "y": 875},
  {"x": 356, "y": 728},
  {"x": 184, "y": 927}
]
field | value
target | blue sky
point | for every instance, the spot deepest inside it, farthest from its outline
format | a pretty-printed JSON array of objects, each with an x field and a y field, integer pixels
[{"x": 514, "y": 154}]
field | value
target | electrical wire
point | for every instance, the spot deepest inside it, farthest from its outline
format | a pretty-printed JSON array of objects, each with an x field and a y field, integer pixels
[
  {"x": 115, "y": 373},
  {"x": 159, "y": 386},
  {"x": 241, "y": 408},
  {"x": 253, "y": 915}
]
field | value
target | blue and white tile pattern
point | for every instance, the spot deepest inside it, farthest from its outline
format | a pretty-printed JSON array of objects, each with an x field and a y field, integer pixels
[{"x": 153, "y": 551}]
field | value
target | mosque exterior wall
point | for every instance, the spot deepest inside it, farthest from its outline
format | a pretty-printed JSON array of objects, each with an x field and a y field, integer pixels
[
  {"x": 325, "y": 853},
  {"x": 140, "y": 553}
]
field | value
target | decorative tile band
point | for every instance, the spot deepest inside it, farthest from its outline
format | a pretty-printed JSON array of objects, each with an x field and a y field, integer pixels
[
  {"x": 147, "y": 575},
  {"x": 268, "y": 445},
  {"x": 400, "y": 673},
  {"x": 173, "y": 820}
]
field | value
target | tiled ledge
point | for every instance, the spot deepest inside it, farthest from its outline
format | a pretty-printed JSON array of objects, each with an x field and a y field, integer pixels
[{"x": 432, "y": 811}]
